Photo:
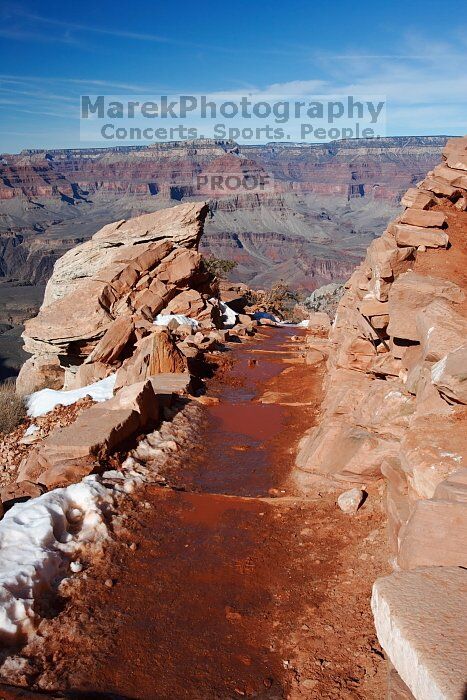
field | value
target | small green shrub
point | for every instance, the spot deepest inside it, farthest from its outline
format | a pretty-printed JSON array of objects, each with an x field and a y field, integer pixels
[{"x": 219, "y": 268}]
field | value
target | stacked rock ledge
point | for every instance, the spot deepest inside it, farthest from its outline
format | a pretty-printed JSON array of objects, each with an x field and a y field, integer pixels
[{"x": 395, "y": 408}]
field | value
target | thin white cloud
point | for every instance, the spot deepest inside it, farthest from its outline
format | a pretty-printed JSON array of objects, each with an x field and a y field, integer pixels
[
  {"x": 25, "y": 35},
  {"x": 426, "y": 91},
  {"x": 37, "y": 19}
]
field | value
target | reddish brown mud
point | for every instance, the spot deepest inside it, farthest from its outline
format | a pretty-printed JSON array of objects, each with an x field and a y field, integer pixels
[
  {"x": 221, "y": 591},
  {"x": 246, "y": 447}
]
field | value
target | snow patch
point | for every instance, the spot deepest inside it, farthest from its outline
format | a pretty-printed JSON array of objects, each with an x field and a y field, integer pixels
[
  {"x": 438, "y": 368},
  {"x": 229, "y": 317},
  {"x": 180, "y": 319},
  {"x": 31, "y": 430},
  {"x": 453, "y": 455},
  {"x": 38, "y": 539},
  {"x": 45, "y": 400}
]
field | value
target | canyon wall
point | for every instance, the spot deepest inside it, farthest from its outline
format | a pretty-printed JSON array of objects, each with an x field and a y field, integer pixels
[
  {"x": 327, "y": 199},
  {"x": 396, "y": 409},
  {"x": 381, "y": 167}
]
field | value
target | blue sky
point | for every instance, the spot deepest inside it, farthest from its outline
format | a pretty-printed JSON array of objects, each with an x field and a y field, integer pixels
[{"x": 51, "y": 52}]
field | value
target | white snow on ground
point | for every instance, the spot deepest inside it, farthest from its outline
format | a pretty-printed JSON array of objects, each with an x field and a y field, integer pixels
[
  {"x": 45, "y": 400},
  {"x": 229, "y": 317},
  {"x": 303, "y": 324},
  {"x": 38, "y": 539},
  {"x": 165, "y": 319},
  {"x": 31, "y": 430}
]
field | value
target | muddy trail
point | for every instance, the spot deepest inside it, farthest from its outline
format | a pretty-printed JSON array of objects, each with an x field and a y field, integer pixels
[{"x": 229, "y": 583}]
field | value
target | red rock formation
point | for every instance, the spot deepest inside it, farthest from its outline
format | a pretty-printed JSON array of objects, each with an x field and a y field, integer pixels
[
  {"x": 381, "y": 168},
  {"x": 103, "y": 295},
  {"x": 395, "y": 405}
]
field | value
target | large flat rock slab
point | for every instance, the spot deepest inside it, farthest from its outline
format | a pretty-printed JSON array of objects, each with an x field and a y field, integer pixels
[
  {"x": 171, "y": 383},
  {"x": 421, "y": 622}
]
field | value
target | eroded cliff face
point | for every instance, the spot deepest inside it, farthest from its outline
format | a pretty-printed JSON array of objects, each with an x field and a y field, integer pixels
[
  {"x": 362, "y": 167},
  {"x": 395, "y": 409}
]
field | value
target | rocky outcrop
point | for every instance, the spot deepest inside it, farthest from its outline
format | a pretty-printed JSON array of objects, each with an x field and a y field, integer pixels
[
  {"x": 395, "y": 404},
  {"x": 104, "y": 294},
  {"x": 126, "y": 318},
  {"x": 68, "y": 454}
]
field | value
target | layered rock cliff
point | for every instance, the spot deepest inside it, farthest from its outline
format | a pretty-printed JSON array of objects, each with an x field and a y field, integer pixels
[
  {"x": 360, "y": 167},
  {"x": 396, "y": 409},
  {"x": 327, "y": 199}
]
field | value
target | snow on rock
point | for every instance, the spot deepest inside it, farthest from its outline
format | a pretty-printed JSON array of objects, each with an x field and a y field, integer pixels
[
  {"x": 229, "y": 317},
  {"x": 38, "y": 539},
  {"x": 45, "y": 400},
  {"x": 179, "y": 319},
  {"x": 31, "y": 430}
]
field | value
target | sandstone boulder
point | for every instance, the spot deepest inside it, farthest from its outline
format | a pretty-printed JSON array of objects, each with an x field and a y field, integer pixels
[
  {"x": 344, "y": 452},
  {"x": 431, "y": 450},
  {"x": 455, "y": 177},
  {"x": 416, "y": 236},
  {"x": 386, "y": 409},
  {"x": 179, "y": 226},
  {"x": 88, "y": 374},
  {"x": 423, "y": 218},
  {"x": 440, "y": 187},
  {"x": 434, "y": 535},
  {"x": 319, "y": 321},
  {"x": 40, "y": 373},
  {"x": 386, "y": 261},
  {"x": 412, "y": 292},
  {"x": 455, "y": 153},
  {"x": 373, "y": 307},
  {"x": 171, "y": 383},
  {"x": 454, "y": 488},
  {"x": 103, "y": 292},
  {"x": 420, "y": 619},
  {"x": 441, "y": 329},
  {"x": 155, "y": 354},
  {"x": 70, "y": 453},
  {"x": 449, "y": 375},
  {"x": 428, "y": 400},
  {"x": 358, "y": 353},
  {"x": 417, "y": 199},
  {"x": 76, "y": 319},
  {"x": 350, "y": 501},
  {"x": 117, "y": 337}
]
